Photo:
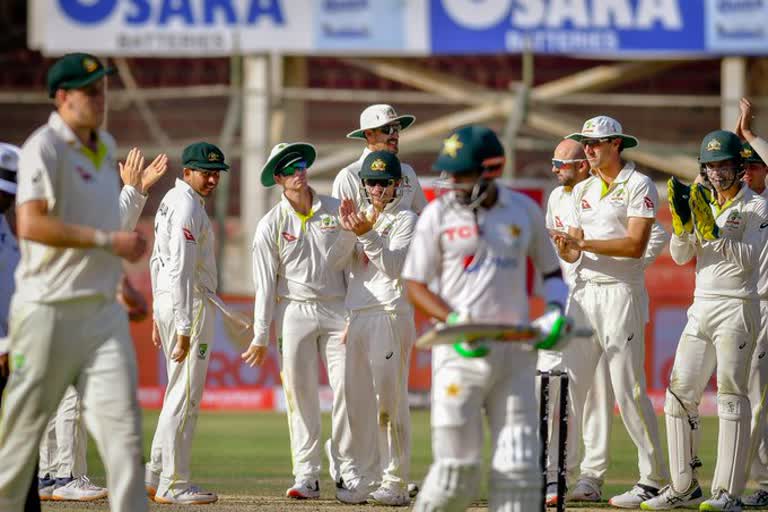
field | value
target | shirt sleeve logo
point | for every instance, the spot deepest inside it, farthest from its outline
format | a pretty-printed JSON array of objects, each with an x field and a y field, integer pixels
[
  {"x": 585, "y": 205},
  {"x": 288, "y": 237},
  {"x": 648, "y": 202},
  {"x": 188, "y": 236}
]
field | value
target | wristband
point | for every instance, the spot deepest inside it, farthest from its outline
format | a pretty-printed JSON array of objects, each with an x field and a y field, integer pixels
[{"x": 102, "y": 240}]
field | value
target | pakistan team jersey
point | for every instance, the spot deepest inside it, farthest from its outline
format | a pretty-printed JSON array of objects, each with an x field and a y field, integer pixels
[{"x": 481, "y": 267}]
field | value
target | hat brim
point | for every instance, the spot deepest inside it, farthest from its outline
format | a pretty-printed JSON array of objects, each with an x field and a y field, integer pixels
[
  {"x": 405, "y": 120},
  {"x": 208, "y": 166},
  {"x": 307, "y": 152},
  {"x": 628, "y": 141},
  {"x": 77, "y": 84}
]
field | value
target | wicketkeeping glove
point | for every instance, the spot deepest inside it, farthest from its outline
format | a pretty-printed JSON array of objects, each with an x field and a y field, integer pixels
[
  {"x": 554, "y": 327},
  {"x": 678, "y": 195},
  {"x": 463, "y": 347},
  {"x": 701, "y": 210}
]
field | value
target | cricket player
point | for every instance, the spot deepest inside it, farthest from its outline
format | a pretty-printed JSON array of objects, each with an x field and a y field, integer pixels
[
  {"x": 571, "y": 167},
  {"x": 184, "y": 274},
  {"x": 9, "y": 259},
  {"x": 474, "y": 241},
  {"x": 376, "y": 303},
  {"x": 63, "y": 449},
  {"x": 610, "y": 224},
  {"x": 380, "y": 128},
  {"x": 755, "y": 154},
  {"x": 65, "y": 325},
  {"x": 725, "y": 229},
  {"x": 299, "y": 285}
]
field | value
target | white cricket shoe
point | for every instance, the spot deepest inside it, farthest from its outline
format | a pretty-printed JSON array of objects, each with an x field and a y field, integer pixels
[
  {"x": 585, "y": 490},
  {"x": 355, "y": 494},
  {"x": 304, "y": 491},
  {"x": 634, "y": 497},
  {"x": 758, "y": 499},
  {"x": 413, "y": 489},
  {"x": 669, "y": 498},
  {"x": 79, "y": 489},
  {"x": 192, "y": 495},
  {"x": 386, "y": 495},
  {"x": 721, "y": 501},
  {"x": 45, "y": 487}
]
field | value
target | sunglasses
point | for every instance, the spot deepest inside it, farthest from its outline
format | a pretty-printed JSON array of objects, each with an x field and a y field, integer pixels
[
  {"x": 292, "y": 169},
  {"x": 559, "y": 164},
  {"x": 381, "y": 182},
  {"x": 595, "y": 142},
  {"x": 390, "y": 129}
]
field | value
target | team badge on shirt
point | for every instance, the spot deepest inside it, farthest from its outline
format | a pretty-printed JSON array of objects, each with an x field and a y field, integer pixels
[
  {"x": 328, "y": 223},
  {"x": 734, "y": 219},
  {"x": 202, "y": 351},
  {"x": 452, "y": 390}
]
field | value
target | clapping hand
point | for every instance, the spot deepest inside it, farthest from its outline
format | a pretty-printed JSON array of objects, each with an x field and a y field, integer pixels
[
  {"x": 354, "y": 220},
  {"x": 744, "y": 123},
  {"x": 133, "y": 172}
]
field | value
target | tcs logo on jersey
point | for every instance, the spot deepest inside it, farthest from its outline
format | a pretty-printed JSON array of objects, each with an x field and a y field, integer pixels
[
  {"x": 188, "y": 12},
  {"x": 460, "y": 233}
]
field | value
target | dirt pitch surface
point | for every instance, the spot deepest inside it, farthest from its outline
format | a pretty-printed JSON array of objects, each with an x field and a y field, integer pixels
[{"x": 242, "y": 503}]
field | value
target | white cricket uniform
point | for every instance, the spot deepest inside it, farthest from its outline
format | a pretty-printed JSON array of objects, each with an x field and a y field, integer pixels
[
  {"x": 610, "y": 297},
  {"x": 598, "y": 420},
  {"x": 66, "y": 326},
  {"x": 481, "y": 270},
  {"x": 758, "y": 379},
  {"x": 64, "y": 446},
  {"x": 348, "y": 184},
  {"x": 298, "y": 286},
  {"x": 722, "y": 325},
  {"x": 183, "y": 271},
  {"x": 376, "y": 303}
]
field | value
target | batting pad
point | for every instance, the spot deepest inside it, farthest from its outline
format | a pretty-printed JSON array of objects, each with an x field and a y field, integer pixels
[
  {"x": 680, "y": 442},
  {"x": 732, "y": 444}
]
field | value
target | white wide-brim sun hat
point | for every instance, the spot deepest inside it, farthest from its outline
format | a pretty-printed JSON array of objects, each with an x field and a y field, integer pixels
[
  {"x": 377, "y": 116},
  {"x": 602, "y": 127}
]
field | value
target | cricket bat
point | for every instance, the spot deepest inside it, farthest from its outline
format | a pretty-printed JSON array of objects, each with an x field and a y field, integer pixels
[
  {"x": 448, "y": 334},
  {"x": 237, "y": 324}
]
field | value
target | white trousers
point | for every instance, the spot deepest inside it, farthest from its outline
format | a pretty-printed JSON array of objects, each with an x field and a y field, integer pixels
[
  {"x": 86, "y": 343},
  {"x": 171, "y": 451},
  {"x": 378, "y": 351},
  {"x": 307, "y": 333},
  {"x": 720, "y": 333},
  {"x": 64, "y": 446},
  {"x": 617, "y": 312},
  {"x": 758, "y": 398},
  {"x": 503, "y": 385}
]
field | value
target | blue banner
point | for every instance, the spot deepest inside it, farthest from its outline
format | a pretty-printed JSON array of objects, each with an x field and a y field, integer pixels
[{"x": 600, "y": 27}]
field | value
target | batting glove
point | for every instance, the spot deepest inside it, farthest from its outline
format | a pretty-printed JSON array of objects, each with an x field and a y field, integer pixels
[
  {"x": 679, "y": 195},
  {"x": 554, "y": 327},
  {"x": 464, "y": 348},
  {"x": 701, "y": 209}
]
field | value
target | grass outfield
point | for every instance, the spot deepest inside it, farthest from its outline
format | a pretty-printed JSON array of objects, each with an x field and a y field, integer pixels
[{"x": 245, "y": 458}]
